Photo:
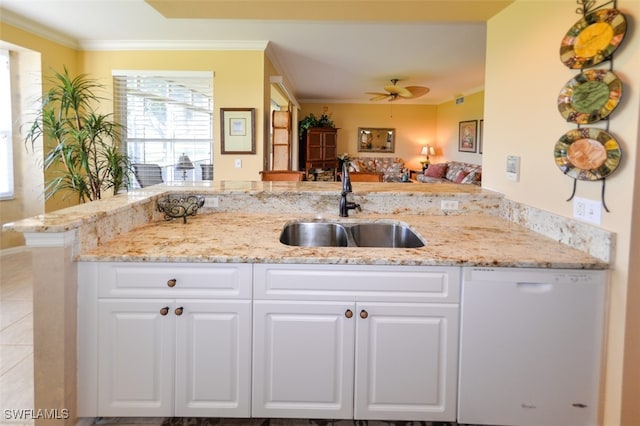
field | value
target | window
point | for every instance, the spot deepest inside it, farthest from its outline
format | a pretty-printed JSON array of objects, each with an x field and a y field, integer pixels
[
  {"x": 165, "y": 116},
  {"x": 6, "y": 134}
]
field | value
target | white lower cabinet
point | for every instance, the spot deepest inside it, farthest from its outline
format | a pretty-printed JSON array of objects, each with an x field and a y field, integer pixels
[
  {"x": 151, "y": 357},
  {"x": 363, "y": 359},
  {"x": 136, "y": 344},
  {"x": 303, "y": 359},
  {"x": 406, "y": 361},
  {"x": 329, "y": 341},
  {"x": 339, "y": 342}
]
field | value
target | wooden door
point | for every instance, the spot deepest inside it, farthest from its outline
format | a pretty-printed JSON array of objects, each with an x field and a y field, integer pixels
[
  {"x": 281, "y": 144},
  {"x": 330, "y": 149}
]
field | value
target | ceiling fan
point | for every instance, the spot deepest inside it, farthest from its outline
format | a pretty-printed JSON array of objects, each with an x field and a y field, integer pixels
[{"x": 394, "y": 92}]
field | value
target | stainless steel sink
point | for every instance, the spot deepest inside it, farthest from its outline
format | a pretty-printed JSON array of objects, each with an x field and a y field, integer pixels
[
  {"x": 314, "y": 234},
  {"x": 385, "y": 235},
  {"x": 331, "y": 234}
]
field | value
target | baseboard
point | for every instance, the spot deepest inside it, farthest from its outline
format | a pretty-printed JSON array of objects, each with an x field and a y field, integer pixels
[{"x": 13, "y": 250}]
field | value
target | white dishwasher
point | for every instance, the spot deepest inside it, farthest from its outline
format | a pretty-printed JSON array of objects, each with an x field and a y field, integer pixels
[{"x": 530, "y": 346}]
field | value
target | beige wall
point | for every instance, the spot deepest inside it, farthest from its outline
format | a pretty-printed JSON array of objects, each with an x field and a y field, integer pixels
[
  {"x": 32, "y": 58},
  {"x": 415, "y": 126},
  {"x": 449, "y": 116},
  {"x": 524, "y": 76},
  {"x": 238, "y": 83}
]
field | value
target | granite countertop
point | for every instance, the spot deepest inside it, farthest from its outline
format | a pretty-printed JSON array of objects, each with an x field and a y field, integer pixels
[
  {"x": 465, "y": 240},
  {"x": 246, "y": 226}
]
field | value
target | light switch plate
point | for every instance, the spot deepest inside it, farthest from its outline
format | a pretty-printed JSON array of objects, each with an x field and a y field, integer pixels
[
  {"x": 513, "y": 168},
  {"x": 238, "y": 163}
]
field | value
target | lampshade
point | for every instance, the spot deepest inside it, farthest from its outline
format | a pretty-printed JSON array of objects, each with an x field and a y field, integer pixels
[
  {"x": 184, "y": 163},
  {"x": 428, "y": 150}
]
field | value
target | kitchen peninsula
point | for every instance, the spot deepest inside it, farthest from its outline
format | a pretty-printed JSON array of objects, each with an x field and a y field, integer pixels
[{"x": 240, "y": 225}]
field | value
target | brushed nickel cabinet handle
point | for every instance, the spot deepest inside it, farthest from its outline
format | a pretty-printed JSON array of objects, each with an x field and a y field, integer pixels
[
  {"x": 179, "y": 311},
  {"x": 171, "y": 282}
]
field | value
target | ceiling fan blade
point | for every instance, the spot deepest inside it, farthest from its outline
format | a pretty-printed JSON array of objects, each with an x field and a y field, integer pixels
[
  {"x": 377, "y": 96},
  {"x": 417, "y": 91},
  {"x": 398, "y": 90}
]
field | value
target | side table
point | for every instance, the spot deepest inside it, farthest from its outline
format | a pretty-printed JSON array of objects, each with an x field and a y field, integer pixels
[{"x": 414, "y": 173}]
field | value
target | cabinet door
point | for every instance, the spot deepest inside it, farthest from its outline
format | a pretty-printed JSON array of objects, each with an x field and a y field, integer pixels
[
  {"x": 136, "y": 358},
  {"x": 330, "y": 149},
  {"x": 213, "y": 368},
  {"x": 303, "y": 363},
  {"x": 406, "y": 356},
  {"x": 314, "y": 146}
]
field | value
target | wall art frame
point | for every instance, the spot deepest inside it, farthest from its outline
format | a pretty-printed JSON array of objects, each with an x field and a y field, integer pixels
[
  {"x": 237, "y": 131},
  {"x": 468, "y": 136},
  {"x": 480, "y": 136},
  {"x": 375, "y": 139}
]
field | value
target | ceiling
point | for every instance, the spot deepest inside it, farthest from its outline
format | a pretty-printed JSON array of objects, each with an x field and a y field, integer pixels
[{"x": 328, "y": 51}]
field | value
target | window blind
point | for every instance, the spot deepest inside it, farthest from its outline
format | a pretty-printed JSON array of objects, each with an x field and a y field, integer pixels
[
  {"x": 165, "y": 115},
  {"x": 6, "y": 134}
]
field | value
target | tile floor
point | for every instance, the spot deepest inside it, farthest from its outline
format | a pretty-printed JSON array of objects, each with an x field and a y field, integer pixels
[
  {"x": 16, "y": 362},
  {"x": 16, "y": 336}
]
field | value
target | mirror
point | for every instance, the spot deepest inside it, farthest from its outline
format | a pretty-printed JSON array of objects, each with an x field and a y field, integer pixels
[{"x": 376, "y": 140}]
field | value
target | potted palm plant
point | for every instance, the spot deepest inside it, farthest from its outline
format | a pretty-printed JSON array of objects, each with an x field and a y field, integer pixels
[{"x": 82, "y": 150}]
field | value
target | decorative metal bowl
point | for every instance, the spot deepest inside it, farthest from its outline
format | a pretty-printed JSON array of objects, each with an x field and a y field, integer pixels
[{"x": 174, "y": 207}]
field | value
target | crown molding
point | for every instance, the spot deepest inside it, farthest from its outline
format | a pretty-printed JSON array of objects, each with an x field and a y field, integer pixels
[
  {"x": 260, "y": 45},
  {"x": 32, "y": 27}
]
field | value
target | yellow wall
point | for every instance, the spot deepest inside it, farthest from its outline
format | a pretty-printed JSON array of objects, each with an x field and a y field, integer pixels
[
  {"x": 449, "y": 117},
  {"x": 523, "y": 78},
  {"x": 238, "y": 83},
  {"x": 33, "y": 58},
  {"x": 415, "y": 126}
]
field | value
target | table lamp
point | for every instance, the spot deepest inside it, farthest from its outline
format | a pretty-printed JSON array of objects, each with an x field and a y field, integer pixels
[
  {"x": 426, "y": 151},
  {"x": 184, "y": 164}
]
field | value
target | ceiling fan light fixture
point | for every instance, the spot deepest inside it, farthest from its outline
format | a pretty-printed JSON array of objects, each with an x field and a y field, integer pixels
[{"x": 394, "y": 92}]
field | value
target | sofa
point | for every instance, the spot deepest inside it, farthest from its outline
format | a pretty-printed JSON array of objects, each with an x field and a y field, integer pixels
[
  {"x": 452, "y": 172},
  {"x": 391, "y": 167}
]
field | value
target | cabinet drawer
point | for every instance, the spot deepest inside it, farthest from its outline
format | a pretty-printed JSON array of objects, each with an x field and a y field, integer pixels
[
  {"x": 357, "y": 283},
  {"x": 130, "y": 279}
]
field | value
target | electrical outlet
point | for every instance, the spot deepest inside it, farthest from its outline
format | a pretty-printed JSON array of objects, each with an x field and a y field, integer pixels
[
  {"x": 587, "y": 210},
  {"x": 211, "y": 202},
  {"x": 238, "y": 163},
  {"x": 449, "y": 205}
]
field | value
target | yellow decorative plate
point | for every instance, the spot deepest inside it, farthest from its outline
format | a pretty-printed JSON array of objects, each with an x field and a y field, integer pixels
[
  {"x": 589, "y": 97},
  {"x": 593, "y": 38},
  {"x": 587, "y": 154}
]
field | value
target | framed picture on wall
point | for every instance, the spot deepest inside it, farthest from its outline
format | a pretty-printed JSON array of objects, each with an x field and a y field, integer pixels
[
  {"x": 372, "y": 139},
  {"x": 480, "y": 136},
  {"x": 237, "y": 130},
  {"x": 468, "y": 136}
]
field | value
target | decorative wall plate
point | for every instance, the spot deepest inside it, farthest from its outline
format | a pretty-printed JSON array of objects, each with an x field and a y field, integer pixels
[
  {"x": 587, "y": 154},
  {"x": 589, "y": 97},
  {"x": 593, "y": 38}
]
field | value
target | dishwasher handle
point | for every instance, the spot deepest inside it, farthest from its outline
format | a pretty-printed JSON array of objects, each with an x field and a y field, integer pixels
[{"x": 534, "y": 287}]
